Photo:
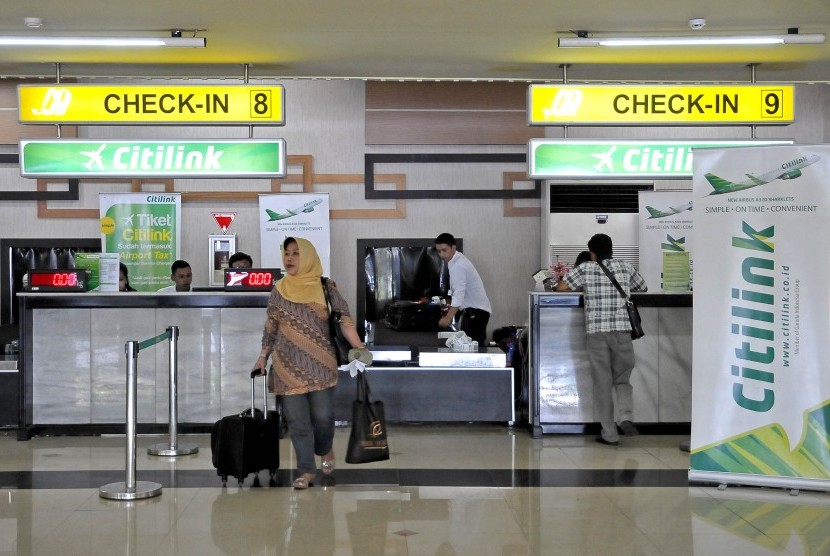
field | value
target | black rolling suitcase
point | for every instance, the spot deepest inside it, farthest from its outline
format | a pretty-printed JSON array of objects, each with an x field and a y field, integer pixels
[{"x": 247, "y": 442}]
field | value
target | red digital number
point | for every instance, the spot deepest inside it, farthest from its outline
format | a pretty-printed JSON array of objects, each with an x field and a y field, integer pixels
[
  {"x": 64, "y": 279},
  {"x": 259, "y": 279},
  {"x": 54, "y": 279}
]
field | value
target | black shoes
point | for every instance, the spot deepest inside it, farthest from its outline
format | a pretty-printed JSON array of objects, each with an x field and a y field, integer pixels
[
  {"x": 601, "y": 440},
  {"x": 628, "y": 428}
]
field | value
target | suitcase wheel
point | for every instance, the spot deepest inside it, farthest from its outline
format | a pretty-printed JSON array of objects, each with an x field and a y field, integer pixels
[{"x": 224, "y": 480}]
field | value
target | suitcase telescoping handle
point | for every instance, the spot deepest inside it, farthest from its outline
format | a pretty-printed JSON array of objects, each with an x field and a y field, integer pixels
[{"x": 264, "y": 374}]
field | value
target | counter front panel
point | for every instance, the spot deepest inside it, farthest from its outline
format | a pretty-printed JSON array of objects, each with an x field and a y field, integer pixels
[
  {"x": 561, "y": 386},
  {"x": 73, "y": 365}
]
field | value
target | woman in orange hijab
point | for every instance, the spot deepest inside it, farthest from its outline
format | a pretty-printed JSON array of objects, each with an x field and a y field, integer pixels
[{"x": 303, "y": 362}]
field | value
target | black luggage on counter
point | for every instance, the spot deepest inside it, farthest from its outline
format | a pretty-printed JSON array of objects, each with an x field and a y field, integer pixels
[
  {"x": 247, "y": 442},
  {"x": 412, "y": 316}
]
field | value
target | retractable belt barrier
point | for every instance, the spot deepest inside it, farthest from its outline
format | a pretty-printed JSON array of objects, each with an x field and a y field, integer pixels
[
  {"x": 172, "y": 447},
  {"x": 131, "y": 489}
]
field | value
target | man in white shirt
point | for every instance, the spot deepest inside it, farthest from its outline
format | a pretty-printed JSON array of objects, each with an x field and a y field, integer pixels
[
  {"x": 467, "y": 291},
  {"x": 182, "y": 275}
]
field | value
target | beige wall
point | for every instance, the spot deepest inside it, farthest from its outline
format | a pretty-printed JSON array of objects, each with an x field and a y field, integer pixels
[{"x": 325, "y": 119}]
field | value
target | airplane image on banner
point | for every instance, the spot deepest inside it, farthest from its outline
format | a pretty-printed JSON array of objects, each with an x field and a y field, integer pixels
[
  {"x": 307, "y": 207},
  {"x": 787, "y": 171},
  {"x": 671, "y": 210}
]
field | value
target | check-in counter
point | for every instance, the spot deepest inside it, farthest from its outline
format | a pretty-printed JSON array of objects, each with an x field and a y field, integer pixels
[
  {"x": 72, "y": 366},
  {"x": 560, "y": 388}
]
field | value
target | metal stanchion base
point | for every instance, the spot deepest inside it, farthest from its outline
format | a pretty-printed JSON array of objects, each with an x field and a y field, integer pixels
[
  {"x": 165, "y": 449},
  {"x": 118, "y": 491}
]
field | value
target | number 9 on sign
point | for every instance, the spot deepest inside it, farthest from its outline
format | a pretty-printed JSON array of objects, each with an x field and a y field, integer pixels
[{"x": 772, "y": 103}]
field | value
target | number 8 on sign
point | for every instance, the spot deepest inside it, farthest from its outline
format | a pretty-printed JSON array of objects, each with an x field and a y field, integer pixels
[{"x": 261, "y": 104}]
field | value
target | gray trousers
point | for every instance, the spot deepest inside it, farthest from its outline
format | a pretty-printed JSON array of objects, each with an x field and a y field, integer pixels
[{"x": 612, "y": 359}]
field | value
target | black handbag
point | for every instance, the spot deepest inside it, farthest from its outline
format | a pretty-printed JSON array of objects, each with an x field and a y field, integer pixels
[
  {"x": 340, "y": 343},
  {"x": 633, "y": 314},
  {"x": 367, "y": 441}
]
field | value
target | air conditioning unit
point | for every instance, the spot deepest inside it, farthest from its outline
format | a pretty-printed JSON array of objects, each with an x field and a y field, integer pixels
[
  {"x": 568, "y": 234},
  {"x": 580, "y": 209}
]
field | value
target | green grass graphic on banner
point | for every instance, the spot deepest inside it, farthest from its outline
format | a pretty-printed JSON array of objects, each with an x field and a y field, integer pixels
[{"x": 765, "y": 451}]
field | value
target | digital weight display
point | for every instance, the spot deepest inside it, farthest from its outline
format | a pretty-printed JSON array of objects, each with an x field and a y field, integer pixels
[
  {"x": 73, "y": 280},
  {"x": 251, "y": 279}
]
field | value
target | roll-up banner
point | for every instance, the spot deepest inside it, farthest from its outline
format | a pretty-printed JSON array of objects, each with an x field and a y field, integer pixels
[
  {"x": 145, "y": 229},
  {"x": 761, "y": 343},
  {"x": 304, "y": 215},
  {"x": 666, "y": 239}
]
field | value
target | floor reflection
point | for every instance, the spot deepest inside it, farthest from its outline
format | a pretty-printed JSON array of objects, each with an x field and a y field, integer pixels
[{"x": 447, "y": 490}]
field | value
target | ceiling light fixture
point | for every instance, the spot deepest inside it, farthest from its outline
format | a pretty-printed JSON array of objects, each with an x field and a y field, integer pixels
[
  {"x": 33, "y": 22},
  {"x": 582, "y": 40},
  {"x": 92, "y": 42}
]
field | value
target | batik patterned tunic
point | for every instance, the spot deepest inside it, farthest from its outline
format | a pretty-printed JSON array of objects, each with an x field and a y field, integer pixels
[{"x": 302, "y": 355}]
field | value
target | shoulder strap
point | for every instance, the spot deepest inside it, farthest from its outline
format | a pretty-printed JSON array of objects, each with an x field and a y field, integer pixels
[
  {"x": 325, "y": 282},
  {"x": 614, "y": 280}
]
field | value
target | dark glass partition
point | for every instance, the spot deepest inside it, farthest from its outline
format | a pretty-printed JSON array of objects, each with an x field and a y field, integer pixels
[
  {"x": 21, "y": 255},
  {"x": 397, "y": 278}
]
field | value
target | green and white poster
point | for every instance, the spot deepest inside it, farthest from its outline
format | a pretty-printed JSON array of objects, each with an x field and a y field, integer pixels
[
  {"x": 761, "y": 352},
  {"x": 304, "y": 215},
  {"x": 666, "y": 239},
  {"x": 145, "y": 229},
  {"x": 102, "y": 268}
]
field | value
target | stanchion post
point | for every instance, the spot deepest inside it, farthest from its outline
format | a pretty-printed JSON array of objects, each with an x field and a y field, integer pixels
[
  {"x": 130, "y": 489},
  {"x": 173, "y": 448}
]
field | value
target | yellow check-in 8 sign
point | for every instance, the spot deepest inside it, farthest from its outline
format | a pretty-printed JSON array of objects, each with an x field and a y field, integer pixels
[
  {"x": 659, "y": 104},
  {"x": 151, "y": 104}
]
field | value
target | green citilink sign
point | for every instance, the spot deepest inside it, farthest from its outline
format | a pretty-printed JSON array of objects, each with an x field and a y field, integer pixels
[{"x": 71, "y": 158}]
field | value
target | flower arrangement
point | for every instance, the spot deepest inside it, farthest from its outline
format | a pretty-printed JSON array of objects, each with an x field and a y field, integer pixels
[{"x": 558, "y": 270}]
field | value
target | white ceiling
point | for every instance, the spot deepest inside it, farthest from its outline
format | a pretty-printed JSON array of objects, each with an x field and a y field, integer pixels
[{"x": 429, "y": 39}]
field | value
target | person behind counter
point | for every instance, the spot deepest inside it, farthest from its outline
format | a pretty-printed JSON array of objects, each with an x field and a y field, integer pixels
[
  {"x": 182, "y": 275},
  {"x": 240, "y": 260},
  {"x": 303, "y": 364},
  {"x": 467, "y": 291},
  {"x": 124, "y": 279},
  {"x": 608, "y": 341},
  {"x": 583, "y": 257}
]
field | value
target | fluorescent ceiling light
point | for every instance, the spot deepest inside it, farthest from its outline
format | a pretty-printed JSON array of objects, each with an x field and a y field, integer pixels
[
  {"x": 183, "y": 42},
  {"x": 692, "y": 40}
]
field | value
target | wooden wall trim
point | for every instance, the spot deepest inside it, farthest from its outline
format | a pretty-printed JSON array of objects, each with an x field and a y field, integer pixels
[
  {"x": 370, "y": 160},
  {"x": 447, "y": 113},
  {"x": 43, "y": 210},
  {"x": 306, "y": 177},
  {"x": 510, "y": 210}
]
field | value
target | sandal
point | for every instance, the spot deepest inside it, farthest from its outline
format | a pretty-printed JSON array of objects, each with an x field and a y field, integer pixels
[
  {"x": 302, "y": 482},
  {"x": 328, "y": 465}
]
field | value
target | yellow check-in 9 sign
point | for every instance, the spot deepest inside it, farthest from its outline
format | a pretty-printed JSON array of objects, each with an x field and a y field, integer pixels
[
  {"x": 143, "y": 104},
  {"x": 659, "y": 104}
]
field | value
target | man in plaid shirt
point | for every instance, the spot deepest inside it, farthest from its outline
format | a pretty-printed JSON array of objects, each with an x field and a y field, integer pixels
[{"x": 608, "y": 342}]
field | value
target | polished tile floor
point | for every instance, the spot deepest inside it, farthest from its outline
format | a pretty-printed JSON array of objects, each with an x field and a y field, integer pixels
[{"x": 447, "y": 490}]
